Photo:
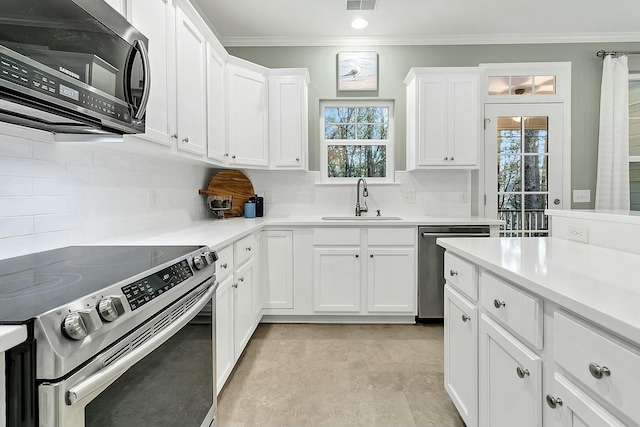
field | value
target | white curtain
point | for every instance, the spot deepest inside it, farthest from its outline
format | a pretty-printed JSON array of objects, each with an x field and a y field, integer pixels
[{"x": 612, "y": 188}]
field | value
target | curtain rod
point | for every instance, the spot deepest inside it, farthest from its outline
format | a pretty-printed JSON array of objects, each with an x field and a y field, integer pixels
[{"x": 602, "y": 53}]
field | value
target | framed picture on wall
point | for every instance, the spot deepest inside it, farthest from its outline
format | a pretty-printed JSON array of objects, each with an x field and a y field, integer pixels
[{"x": 357, "y": 71}]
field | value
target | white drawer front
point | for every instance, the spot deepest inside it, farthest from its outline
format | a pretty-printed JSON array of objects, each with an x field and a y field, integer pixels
[
  {"x": 461, "y": 274},
  {"x": 577, "y": 346},
  {"x": 224, "y": 265},
  {"x": 243, "y": 249},
  {"x": 392, "y": 236},
  {"x": 336, "y": 236},
  {"x": 515, "y": 309}
]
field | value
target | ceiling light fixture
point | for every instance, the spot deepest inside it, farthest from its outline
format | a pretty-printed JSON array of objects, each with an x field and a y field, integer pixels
[{"x": 359, "y": 23}]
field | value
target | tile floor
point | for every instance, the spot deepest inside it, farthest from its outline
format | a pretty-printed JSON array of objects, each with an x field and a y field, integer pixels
[{"x": 297, "y": 375}]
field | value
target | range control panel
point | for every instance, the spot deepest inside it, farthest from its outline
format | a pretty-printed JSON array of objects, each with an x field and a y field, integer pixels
[
  {"x": 143, "y": 291},
  {"x": 20, "y": 73}
]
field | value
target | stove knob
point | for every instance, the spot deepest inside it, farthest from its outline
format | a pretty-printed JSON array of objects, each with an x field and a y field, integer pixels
[
  {"x": 210, "y": 257},
  {"x": 110, "y": 308},
  {"x": 199, "y": 263},
  {"x": 81, "y": 323}
]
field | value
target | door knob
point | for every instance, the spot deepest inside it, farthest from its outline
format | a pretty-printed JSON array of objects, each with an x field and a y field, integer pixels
[{"x": 556, "y": 201}]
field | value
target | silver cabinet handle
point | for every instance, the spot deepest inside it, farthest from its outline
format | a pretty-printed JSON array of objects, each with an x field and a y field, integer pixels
[
  {"x": 451, "y": 158},
  {"x": 226, "y": 154},
  {"x": 522, "y": 372},
  {"x": 553, "y": 402},
  {"x": 446, "y": 158},
  {"x": 497, "y": 303},
  {"x": 185, "y": 139},
  {"x": 453, "y": 273},
  {"x": 466, "y": 317},
  {"x": 224, "y": 265},
  {"x": 235, "y": 285},
  {"x": 297, "y": 159},
  {"x": 174, "y": 136},
  {"x": 241, "y": 279},
  {"x": 249, "y": 248},
  {"x": 598, "y": 371},
  {"x": 233, "y": 157},
  {"x": 556, "y": 201},
  {"x": 357, "y": 256}
]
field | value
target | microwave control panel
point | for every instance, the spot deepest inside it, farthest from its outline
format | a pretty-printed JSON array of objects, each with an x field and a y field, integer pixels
[{"x": 27, "y": 76}]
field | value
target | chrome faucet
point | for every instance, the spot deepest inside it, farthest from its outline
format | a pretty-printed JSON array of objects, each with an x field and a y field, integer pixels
[{"x": 365, "y": 193}]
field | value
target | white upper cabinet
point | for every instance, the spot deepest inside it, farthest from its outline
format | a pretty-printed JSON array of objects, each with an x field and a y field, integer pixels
[
  {"x": 443, "y": 117},
  {"x": 247, "y": 114},
  {"x": 121, "y": 6},
  {"x": 288, "y": 118},
  {"x": 155, "y": 19},
  {"x": 216, "y": 143},
  {"x": 191, "y": 50}
]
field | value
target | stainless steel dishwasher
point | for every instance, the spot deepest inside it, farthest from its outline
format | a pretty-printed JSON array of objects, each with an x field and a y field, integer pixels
[{"x": 431, "y": 267}]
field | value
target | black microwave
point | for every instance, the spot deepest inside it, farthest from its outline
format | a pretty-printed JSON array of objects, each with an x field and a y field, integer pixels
[{"x": 72, "y": 66}]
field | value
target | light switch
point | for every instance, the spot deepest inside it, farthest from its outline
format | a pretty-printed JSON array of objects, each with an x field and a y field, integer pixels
[{"x": 581, "y": 196}]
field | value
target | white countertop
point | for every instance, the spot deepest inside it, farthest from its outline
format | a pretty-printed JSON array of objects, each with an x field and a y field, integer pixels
[
  {"x": 11, "y": 336},
  {"x": 625, "y": 217},
  {"x": 218, "y": 234},
  {"x": 602, "y": 285}
]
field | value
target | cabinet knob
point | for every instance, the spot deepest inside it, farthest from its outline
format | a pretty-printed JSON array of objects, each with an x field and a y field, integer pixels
[
  {"x": 241, "y": 279},
  {"x": 297, "y": 159},
  {"x": 371, "y": 256},
  {"x": 357, "y": 256},
  {"x": 553, "y": 401},
  {"x": 522, "y": 372},
  {"x": 233, "y": 157},
  {"x": 497, "y": 303},
  {"x": 235, "y": 285},
  {"x": 451, "y": 158},
  {"x": 174, "y": 136},
  {"x": 185, "y": 139},
  {"x": 224, "y": 265},
  {"x": 453, "y": 273},
  {"x": 249, "y": 248},
  {"x": 466, "y": 317},
  {"x": 226, "y": 154},
  {"x": 598, "y": 371},
  {"x": 446, "y": 158}
]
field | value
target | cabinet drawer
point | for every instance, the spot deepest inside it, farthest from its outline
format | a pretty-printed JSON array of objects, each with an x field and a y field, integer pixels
[
  {"x": 578, "y": 348},
  {"x": 461, "y": 274},
  {"x": 392, "y": 236},
  {"x": 336, "y": 236},
  {"x": 242, "y": 249},
  {"x": 515, "y": 309},
  {"x": 224, "y": 265}
]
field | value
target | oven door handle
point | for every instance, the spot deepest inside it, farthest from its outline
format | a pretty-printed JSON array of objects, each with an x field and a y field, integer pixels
[{"x": 108, "y": 375}]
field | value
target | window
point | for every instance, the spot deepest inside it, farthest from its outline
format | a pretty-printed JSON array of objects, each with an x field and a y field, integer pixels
[
  {"x": 357, "y": 140},
  {"x": 522, "y": 85},
  {"x": 634, "y": 141}
]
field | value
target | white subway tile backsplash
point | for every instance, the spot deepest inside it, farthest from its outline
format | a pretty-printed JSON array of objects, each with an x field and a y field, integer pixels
[
  {"x": 33, "y": 205},
  {"x": 15, "y": 147},
  {"x": 18, "y": 166},
  {"x": 63, "y": 153},
  {"x": 16, "y": 226},
  {"x": 16, "y": 185}
]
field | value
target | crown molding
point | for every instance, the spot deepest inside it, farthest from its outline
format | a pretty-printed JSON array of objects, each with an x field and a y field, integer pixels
[{"x": 463, "y": 39}]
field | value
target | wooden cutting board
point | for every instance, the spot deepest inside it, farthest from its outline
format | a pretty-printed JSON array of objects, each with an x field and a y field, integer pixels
[{"x": 234, "y": 183}]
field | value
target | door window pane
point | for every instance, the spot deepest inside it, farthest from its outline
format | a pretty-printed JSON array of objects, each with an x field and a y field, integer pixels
[
  {"x": 509, "y": 210},
  {"x": 521, "y": 85},
  {"x": 535, "y": 134},
  {"x": 544, "y": 85},
  {"x": 535, "y": 173},
  {"x": 508, "y": 173}
]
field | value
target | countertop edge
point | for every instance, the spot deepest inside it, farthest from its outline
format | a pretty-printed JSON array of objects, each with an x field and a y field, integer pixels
[{"x": 11, "y": 336}]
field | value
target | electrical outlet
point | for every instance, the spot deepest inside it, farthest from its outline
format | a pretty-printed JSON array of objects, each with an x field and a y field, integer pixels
[
  {"x": 581, "y": 196},
  {"x": 579, "y": 233},
  {"x": 409, "y": 196}
]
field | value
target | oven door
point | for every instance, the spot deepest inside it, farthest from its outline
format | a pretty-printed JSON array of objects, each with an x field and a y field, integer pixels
[{"x": 163, "y": 374}]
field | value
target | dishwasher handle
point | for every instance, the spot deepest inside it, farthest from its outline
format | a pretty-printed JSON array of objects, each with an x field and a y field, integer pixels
[{"x": 427, "y": 234}]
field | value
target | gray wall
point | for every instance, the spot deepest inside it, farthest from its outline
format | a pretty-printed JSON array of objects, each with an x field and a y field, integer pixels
[{"x": 395, "y": 62}]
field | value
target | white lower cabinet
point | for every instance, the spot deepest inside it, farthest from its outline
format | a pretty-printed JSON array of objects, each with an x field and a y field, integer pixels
[
  {"x": 572, "y": 407},
  {"x": 336, "y": 279},
  {"x": 461, "y": 354},
  {"x": 243, "y": 310},
  {"x": 510, "y": 380},
  {"x": 225, "y": 359},
  {"x": 391, "y": 277}
]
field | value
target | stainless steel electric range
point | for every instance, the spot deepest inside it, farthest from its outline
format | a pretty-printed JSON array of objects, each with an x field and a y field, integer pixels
[{"x": 117, "y": 336}]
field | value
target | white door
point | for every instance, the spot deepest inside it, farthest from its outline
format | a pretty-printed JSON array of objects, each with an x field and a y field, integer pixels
[{"x": 523, "y": 166}]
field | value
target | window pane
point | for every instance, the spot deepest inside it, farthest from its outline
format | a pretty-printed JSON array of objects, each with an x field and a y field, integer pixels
[
  {"x": 634, "y": 117},
  {"x": 340, "y": 115},
  {"x": 535, "y": 134},
  {"x": 634, "y": 185},
  {"x": 521, "y": 85},
  {"x": 508, "y": 173},
  {"x": 535, "y": 173},
  {"x": 544, "y": 85},
  {"x": 509, "y": 211},
  {"x": 372, "y": 131},
  {"x": 352, "y": 161},
  {"x": 534, "y": 217},
  {"x": 373, "y": 115},
  {"x": 340, "y": 131},
  {"x": 498, "y": 85},
  {"x": 509, "y": 135}
]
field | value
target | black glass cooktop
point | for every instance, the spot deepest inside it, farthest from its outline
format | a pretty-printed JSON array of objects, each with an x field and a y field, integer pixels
[{"x": 31, "y": 285}]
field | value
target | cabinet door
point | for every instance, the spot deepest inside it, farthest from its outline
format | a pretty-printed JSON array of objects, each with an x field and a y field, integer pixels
[
  {"x": 256, "y": 281},
  {"x": 461, "y": 354},
  {"x": 433, "y": 120},
  {"x": 464, "y": 120},
  {"x": 155, "y": 19},
  {"x": 574, "y": 408},
  {"x": 191, "y": 85},
  {"x": 510, "y": 387},
  {"x": 277, "y": 269},
  {"x": 336, "y": 279},
  {"x": 247, "y": 102},
  {"x": 288, "y": 129},
  {"x": 216, "y": 143},
  {"x": 391, "y": 280},
  {"x": 121, "y": 7},
  {"x": 224, "y": 331},
  {"x": 243, "y": 313}
]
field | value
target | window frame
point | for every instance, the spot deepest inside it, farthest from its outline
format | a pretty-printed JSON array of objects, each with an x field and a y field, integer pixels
[{"x": 389, "y": 143}]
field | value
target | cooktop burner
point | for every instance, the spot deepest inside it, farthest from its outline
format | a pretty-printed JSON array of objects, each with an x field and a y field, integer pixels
[{"x": 34, "y": 284}]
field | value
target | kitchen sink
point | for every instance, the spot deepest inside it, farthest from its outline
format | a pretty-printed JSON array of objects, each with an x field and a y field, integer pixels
[{"x": 361, "y": 218}]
